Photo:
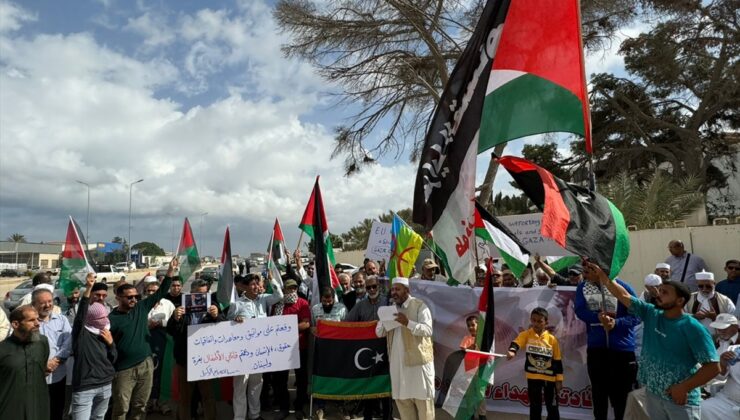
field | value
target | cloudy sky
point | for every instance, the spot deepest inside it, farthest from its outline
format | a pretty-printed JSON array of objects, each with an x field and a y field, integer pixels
[{"x": 197, "y": 101}]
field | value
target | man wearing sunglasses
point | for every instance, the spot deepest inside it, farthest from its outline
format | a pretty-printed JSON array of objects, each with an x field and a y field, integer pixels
[
  {"x": 706, "y": 304},
  {"x": 129, "y": 324},
  {"x": 730, "y": 286}
]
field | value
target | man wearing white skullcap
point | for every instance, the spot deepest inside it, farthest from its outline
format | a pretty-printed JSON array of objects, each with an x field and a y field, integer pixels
[
  {"x": 663, "y": 270},
  {"x": 706, "y": 304},
  {"x": 411, "y": 353},
  {"x": 649, "y": 295}
]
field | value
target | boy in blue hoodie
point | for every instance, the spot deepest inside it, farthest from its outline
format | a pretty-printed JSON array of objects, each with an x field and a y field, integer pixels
[{"x": 610, "y": 355}]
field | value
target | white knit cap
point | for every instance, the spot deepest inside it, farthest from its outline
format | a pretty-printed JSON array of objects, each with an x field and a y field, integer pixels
[
  {"x": 653, "y": 280},
  {"x": 401, "y": 280},
  {"x": 662, "y": 265},
  {"x": 45, "y": 286},
  {"x": 705, "y": 275},
  {"x": 150, "y": 279}
]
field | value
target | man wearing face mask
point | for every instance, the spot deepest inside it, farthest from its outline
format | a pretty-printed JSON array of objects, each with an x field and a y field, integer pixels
[
  {"x": 411, "y": 354},
  {"x": 23, "y": 358},
  {"x": 327, "y": 310},
  {"x": 706, "y": 304}
]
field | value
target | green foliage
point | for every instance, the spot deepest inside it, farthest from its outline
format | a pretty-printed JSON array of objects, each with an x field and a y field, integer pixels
[
  {"x": 17, "y": 238},
  {"x": 336, "y": 242},
  {"x": 149, "y": 248},
  {"x": 504, "y": 205},
  {"x": 357, "y": 236},
  {"x": 659, "y": 198}
]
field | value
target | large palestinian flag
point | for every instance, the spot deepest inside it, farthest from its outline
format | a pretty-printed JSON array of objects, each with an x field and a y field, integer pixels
[
  {"x": 445, "y": 182},
  {"x": 187, "y": 252},
  {"x": 275, "y": 249},
  {"x": 75, "y": 261},
  {"x": 475, "y": 372},
  {"x": 315, "y": 226},
  {"x": 578, "y": 219},
  {"x": 225, "y": 289},
  {"x": 350, "y": 362},
  {"x": 537, "y": 82},
  {"x": 405, "y": 247},
  {"x": 278, "y": 249},
  {"x": 490, "y": 229}
]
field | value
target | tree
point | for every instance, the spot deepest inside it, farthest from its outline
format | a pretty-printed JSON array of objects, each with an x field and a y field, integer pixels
[
  {"x": 149, "y": 248},
  {"x": 659, "y": 198},
  {"x": 679, "y": 102},
  {"x": 336, "y": 242},
  {"x": 17, "y": 238},
  {"x": 392, "y": 59},
  {"x": 358, "y": 235}
]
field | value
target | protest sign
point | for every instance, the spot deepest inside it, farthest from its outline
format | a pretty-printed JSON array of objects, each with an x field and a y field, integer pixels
[
  {"x": 526, "y": 227},
  {"x": 379, "y": 243},
  {"x": 229, "y": 348},
  {"x": 451, "y": 305}
]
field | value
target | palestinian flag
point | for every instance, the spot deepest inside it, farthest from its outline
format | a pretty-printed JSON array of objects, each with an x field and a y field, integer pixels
[
  {"x": 315, "y": 226},
  {"x": 468, "y": 386},
  {"x": 578, "y": 219},
  {"x": 562, "y": 263},
  {"x": 490, "y": 229},
  {"x": 278, "y": 249},
  {"x": 405, "y": 247},
  {"x": 75, "y": 261},
  {"x": 187, "y": 253},
  {"x": 350, "y": 362},
  {"x": 273, "y": 272},
  {"x": 445, "y": 181},
  {"x": 225, "y": 290},
  {"x": 537, "y": 82}
]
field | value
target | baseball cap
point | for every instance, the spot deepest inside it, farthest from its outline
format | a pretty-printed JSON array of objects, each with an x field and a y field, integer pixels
[
  {"x": 723, "y": 321},
  {"x": 429, "y": 263}
]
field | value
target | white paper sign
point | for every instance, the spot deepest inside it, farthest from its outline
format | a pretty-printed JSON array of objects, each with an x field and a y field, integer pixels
[
  {"x": 379, "y": 243},
  {"x": 387, "y": 315},
  {"x": 229, "y": 348},
  {"x": 526, "y": 227}
]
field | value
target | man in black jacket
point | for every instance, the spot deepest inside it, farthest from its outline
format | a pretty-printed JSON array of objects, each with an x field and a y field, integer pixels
[{"x": 177, "y": 327}]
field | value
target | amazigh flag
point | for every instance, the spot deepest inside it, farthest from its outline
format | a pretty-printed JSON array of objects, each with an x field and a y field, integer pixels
[
  {"x": 475, "y": 373},
  {"x": 537, "y": 82},
  {"x": 490, "y": 229},
  {"x": 579, "y": 220},
  {"x": 225, "y": 290},
  {"x": 351, "y": 362},
  {"x": 273, "y": 272},
  {"x": 445, "y": 181},
  {"x": 75, "y": 261},
  {"x": 187, "y": 252},
  {"x": 405, "y": 247},
  {"x": 314, "y": 224},
  {"x": 278, "y": 249}
]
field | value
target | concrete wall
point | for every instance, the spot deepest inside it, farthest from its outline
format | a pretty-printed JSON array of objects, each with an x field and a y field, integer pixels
[{"x": 715, "y": 244}]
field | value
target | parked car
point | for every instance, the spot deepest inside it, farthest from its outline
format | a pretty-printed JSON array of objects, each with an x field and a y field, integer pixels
[
  {"x": 9, "y": 272},
  {"x": 14, "y": 296},
  {"x": 121, "y": 267},
  {"x": 210, "y": 273},
  {"x": 106, "y": 273},
  {"x": 347, "y": 268}
]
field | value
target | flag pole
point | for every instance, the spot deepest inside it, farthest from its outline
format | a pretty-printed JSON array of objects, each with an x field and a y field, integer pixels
[
  {"x": 300, "y": 238},
  {"x": 269, "y": 254}
]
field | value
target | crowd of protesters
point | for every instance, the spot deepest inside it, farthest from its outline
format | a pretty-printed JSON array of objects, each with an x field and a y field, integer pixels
[{"x": 677, "y": 340}]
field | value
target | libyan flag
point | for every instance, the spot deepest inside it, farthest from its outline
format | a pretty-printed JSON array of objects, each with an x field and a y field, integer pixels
[
  {"x": 313, "y": 223},
  {"x": 75, "y": 262},
  {"x": 490, "y": 229},
  {"x": 578, "y": 219},
  {"x": 474, "y": 373},
  {"x": 187, "y": 252},
  {"x": 350, "y": 362}
]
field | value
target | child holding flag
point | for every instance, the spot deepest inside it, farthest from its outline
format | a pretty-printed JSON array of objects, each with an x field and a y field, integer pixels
[
  {"x": 543, "y": 365},
  {"x": 468, "y": 343}
]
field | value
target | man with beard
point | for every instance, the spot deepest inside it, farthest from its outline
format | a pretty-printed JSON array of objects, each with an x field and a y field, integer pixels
[
  {"x": 71, "y": 308},
  {"x": 23, "y": 362},
  {"x": 358, "y": 292},
  {"x": 100, "y": 295},
  {"x": 367, "y": 310},
  {"x": 57, "y": 330},
  {"x": 663, "y": 270},
  {"x": 129, "y": 324},
  {"x": 610, "y": 350},
  {"x": 706, "y": 304},
  {"x": 677, "y": 343},
  {"x": 411, "y": 354}
]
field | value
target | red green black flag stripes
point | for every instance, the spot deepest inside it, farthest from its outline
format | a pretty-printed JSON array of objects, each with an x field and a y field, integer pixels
[
  {"x": 315, "y": 226},
  {"x": 537, "y": 82},
  {"x": 350, "y": 362},
  {"x": 75, "y": 261},
  {"x": 225, "y": 290},
  {"x": 581, "y": 221},
  {"x": 187, "y": 252},
  {"x": 492, "y": 230}
]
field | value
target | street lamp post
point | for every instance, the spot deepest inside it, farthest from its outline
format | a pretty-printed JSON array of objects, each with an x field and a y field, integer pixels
[
  {"x": 202, "y": 240},
  {"x": 130, "y": 191},
  {"x": 87, "y": 219},
  {"x": 172, "y": 233}
]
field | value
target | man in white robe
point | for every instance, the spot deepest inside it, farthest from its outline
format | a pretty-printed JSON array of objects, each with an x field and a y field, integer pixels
[{"x": 411, "y": 353}]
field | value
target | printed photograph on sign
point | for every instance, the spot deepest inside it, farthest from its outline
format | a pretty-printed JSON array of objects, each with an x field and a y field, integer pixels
[{"x": 196, "y": 302}]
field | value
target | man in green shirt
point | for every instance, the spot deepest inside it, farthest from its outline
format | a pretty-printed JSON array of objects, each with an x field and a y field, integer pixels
[
  {"x": 23, "y": 357},
  {"x": 673, "y": 345},
  {"x": 129, "y": 325}
]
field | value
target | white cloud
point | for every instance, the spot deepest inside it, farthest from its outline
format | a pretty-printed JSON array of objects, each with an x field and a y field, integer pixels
[
  {"x": 74, "y": 109},
  {"x": 153, "y": 28},
  {"x": 13, "y": 16}
]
